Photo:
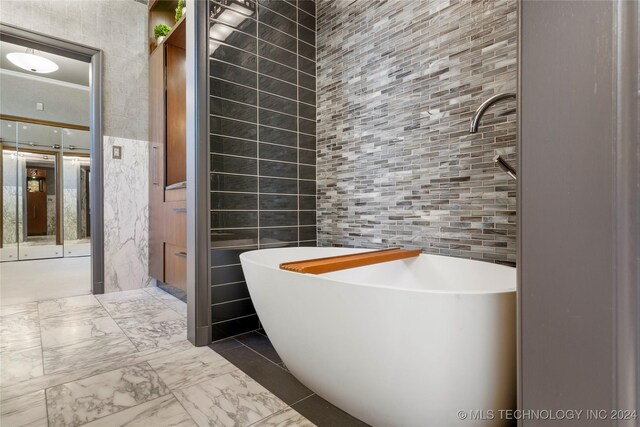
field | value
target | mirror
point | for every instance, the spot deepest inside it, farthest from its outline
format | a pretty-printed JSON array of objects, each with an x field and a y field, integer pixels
[
  {"x": 75, "y": 182},
  {"x": 45, "y": 191},
  {"x": 9, "y": 175},
  {"x": 39, "y": 191}
]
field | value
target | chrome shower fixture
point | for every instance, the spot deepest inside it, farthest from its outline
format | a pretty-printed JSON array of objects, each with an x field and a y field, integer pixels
[
  {"x": 477, "y": 116},
  {"x": 506, "y": 167}
]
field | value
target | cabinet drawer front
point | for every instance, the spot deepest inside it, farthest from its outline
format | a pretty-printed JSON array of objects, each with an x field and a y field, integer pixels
[
  {"x": 176, "y": 195},
  {"x": 175, "y": 223},
  {"x": 175, "y": 266}
]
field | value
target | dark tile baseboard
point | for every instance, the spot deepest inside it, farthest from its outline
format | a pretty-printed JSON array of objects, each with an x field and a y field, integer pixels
[{"x": 254, "y": 354}]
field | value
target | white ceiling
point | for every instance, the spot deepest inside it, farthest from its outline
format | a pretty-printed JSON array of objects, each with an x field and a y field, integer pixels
[{"x": 70, "y": 70}]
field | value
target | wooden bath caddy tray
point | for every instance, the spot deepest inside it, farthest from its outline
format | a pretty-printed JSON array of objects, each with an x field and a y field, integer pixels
[{"x": 343, "y": 262}]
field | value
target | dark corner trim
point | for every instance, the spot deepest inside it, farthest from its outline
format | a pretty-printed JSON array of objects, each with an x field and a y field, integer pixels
[
  {"x": 198, "y": 307},
  {"x": 626, "y": 209}
]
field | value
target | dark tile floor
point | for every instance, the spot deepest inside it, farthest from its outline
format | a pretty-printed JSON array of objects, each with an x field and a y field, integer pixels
[{"x": 254, "y": 355}]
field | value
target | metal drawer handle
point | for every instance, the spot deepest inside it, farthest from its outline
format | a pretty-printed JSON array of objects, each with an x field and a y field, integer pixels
[
  {"x": 181, "y": 254},
  {"x": 179, "y": 209},
  {"x": 154, "y": 163}
]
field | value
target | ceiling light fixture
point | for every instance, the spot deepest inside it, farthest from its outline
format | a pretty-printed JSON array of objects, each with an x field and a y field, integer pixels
[
  {"x": 30, "y": 61},
  {"x": 229, "y": 15}
]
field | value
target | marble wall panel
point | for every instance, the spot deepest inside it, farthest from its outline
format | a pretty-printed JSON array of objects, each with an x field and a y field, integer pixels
[{"x": 126, "y": 215}]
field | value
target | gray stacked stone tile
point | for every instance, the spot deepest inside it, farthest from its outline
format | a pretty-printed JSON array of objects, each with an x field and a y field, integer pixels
[{"x": 398, "y": 82}]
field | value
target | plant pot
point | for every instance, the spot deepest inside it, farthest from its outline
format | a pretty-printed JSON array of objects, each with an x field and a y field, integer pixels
[{"x": 160, "y": 39}]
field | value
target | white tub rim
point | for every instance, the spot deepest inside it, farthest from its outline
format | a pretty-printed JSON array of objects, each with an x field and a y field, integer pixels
[{"x": 247, "y": 256}]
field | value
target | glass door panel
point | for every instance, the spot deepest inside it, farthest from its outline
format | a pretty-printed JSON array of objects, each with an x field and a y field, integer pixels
[
  {"x": 45, "y": 178},
  {"x": 76, "y": 178},
  {"x": 39, "y": 192},
  {"x": 9, "y": 193}
]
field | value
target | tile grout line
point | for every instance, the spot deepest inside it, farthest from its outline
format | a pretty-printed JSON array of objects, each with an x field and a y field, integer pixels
[
  {"x": 257, "y": 125},
  {"x": 119, "y": 327},
  {"x": 261, "y": 355},
  {"x": 289, "y": 406},
  {"x": 131, "y": 407},
  {"x": 298, "y": 123},
  {"x": 180, "y": 403},
  {"x": 163, "y": 301},
  {"x": 93, "y": 367},
  {"x": 44, "y": 390},
  {"x": 63, "y": 377},
  {"x": 139, "y": 404},
  {"x": 263, "y": 125}
]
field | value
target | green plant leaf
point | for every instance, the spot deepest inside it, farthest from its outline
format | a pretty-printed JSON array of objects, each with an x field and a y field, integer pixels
[{"x": 161, "y": 30}]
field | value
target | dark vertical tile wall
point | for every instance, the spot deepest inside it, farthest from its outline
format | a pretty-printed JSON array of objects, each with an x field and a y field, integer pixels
[
  {"x": 398, "y": 82},
  {"x": 262, "y": 144}
]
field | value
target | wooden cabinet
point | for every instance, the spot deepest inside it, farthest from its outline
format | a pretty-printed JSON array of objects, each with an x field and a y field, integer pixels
[
  {"x": 175, "y": 223},
  {"x": 176, "y": 114},
  {"x": 175, "y": 258},
  {"x": 167, "y": 155}
]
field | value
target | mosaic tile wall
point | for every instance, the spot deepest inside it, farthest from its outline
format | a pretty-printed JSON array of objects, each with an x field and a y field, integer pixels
[
  {"x": 262, "y": 144},
  {"x": 398, "y": 82}
]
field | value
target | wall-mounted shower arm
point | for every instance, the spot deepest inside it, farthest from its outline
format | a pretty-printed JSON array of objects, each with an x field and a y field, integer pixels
[{"x": 477, "y": 116}]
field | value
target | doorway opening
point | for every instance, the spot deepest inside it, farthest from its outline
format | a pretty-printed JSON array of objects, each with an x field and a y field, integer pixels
[{"x": 51, "y": 221}]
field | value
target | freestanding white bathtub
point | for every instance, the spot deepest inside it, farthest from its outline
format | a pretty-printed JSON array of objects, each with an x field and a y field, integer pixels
[{"x": 403, "y": 343}]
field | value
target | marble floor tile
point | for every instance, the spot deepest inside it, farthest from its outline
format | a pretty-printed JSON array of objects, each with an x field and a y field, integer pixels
[
  {"x": 154, "y": 291},
  {"x": 190, "y": 367},
  {"x": 88, "y": 399},
  {"x": 129, "y": 307},
  {"x": 55, "y": 306},
  {"x": 123, "y": 295},
  {"x": 19, "y": 331},
  {"x": 164, "y": 411},
  {"x": 286, "y": 418},
  {"x": 177, "y": 305},
  {"x": 165, "y": 296},
  {"x": 232, "y": 399},
  {"x": 29, "y": 307},
  {"x": 105, "y": 364},
  {"x": 147, "y": 317},
  {"x": 28, "y": 410},
  {"x": 20, "y": 365},
  {"x": 75, "y": 314},
  {"x": 275, "y": 379},
  {"x": 157, "y": 334},
  {"x": 64, "y": 332},
  {"x": 86, "y": 352}
]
